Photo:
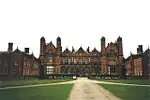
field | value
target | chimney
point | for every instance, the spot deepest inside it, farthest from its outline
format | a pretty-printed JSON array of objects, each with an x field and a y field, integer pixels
[
  {"x": 140, "y": 48},
  {"x": 27, "y": 50},
  {"x": 10, "y": 47}
]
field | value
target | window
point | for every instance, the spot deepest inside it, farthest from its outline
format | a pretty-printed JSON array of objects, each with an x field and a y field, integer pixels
[
  {"x": 50, "y": 69},
  {"x": 80, "y": 61},
  {"x": 15, "y": 63},
  {"x": 86, "y": 61},
  {"x": 35, "y": 65},
  {"x": 69, "y": 61},
  {"x": 75, "y": 61},
  {"x": 51, "y": 59},
  {"x": 63, "y": 60}
]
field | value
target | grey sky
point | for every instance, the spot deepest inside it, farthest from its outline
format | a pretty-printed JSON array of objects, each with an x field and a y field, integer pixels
[{"x": 77, "y": 22}]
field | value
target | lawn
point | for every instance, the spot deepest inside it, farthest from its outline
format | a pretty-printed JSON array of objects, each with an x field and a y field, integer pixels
[
  {"x": 21, "y": 82},
  {"x": 129, "y": 81},
  {"x": 129, "y": 92},
  {"x": 56, "y": 92}
]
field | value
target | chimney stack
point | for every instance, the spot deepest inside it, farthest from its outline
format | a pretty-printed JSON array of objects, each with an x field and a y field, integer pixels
[
  {"x": 27, "y": 50},
  {"x": 10, "y": 47},
  {"x": 140, "y": 48}
]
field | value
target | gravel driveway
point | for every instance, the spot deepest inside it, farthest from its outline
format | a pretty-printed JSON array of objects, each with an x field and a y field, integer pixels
[{"x": 85, "y": 89}]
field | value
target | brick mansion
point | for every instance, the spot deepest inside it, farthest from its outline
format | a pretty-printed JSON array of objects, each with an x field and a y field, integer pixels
[{"x": 108, "y": 60}]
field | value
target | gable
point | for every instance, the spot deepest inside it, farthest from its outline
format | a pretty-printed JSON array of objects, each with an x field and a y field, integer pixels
[
  {"x": 50, "y": 48},
  {"x": 66, "y": 52},
  {"x": 81, "y": 52},
  {"x": 95, "y": 52}
]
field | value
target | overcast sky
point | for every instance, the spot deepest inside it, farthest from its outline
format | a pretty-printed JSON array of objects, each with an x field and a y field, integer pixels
[{"x": 77, "y": 22}]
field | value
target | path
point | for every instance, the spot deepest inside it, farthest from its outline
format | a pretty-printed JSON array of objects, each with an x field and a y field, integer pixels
[
  {"x": 85, "y": 89},
  {"x": 68, "y": 82}
]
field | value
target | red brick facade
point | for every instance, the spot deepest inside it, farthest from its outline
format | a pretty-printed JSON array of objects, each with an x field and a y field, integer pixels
[
  {"x": 107, "y": 61},
  {"x": 138, "y": 64},
  {"x": 18, "y": 63}
]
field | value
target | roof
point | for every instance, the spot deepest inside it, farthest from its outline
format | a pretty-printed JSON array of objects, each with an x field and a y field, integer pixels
[
  {"x": 2, "y": 52},
  {"x": 133, "y": 56}
]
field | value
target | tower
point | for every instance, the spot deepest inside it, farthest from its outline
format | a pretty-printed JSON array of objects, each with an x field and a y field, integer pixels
[
  {"x": 120, "y": 57},
  {"x": 120, "y": 48},
  {"x": 42, "y": 52},
  {"x": 59, "y": 48},
  {"x": 58, "y": 58},
  {"x": 42, "y": 49},
  {"x": 103, "y": 46}
]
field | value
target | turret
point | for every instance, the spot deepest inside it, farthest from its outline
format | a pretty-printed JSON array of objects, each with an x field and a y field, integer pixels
[
  {"x": 42, "y": 45},
  {"x": 59, "y": 48},
  {"x": 103, "y": 46},
  {"x": 120, "y": 48}
]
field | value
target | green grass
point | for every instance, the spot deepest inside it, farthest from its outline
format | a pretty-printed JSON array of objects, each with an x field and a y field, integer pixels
[
  {"x": 22, "y": 82},
  {"x": 130, "y": 81},
  {"x": 56, "y": 92},
  {"x": 129, "y": 92}
]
